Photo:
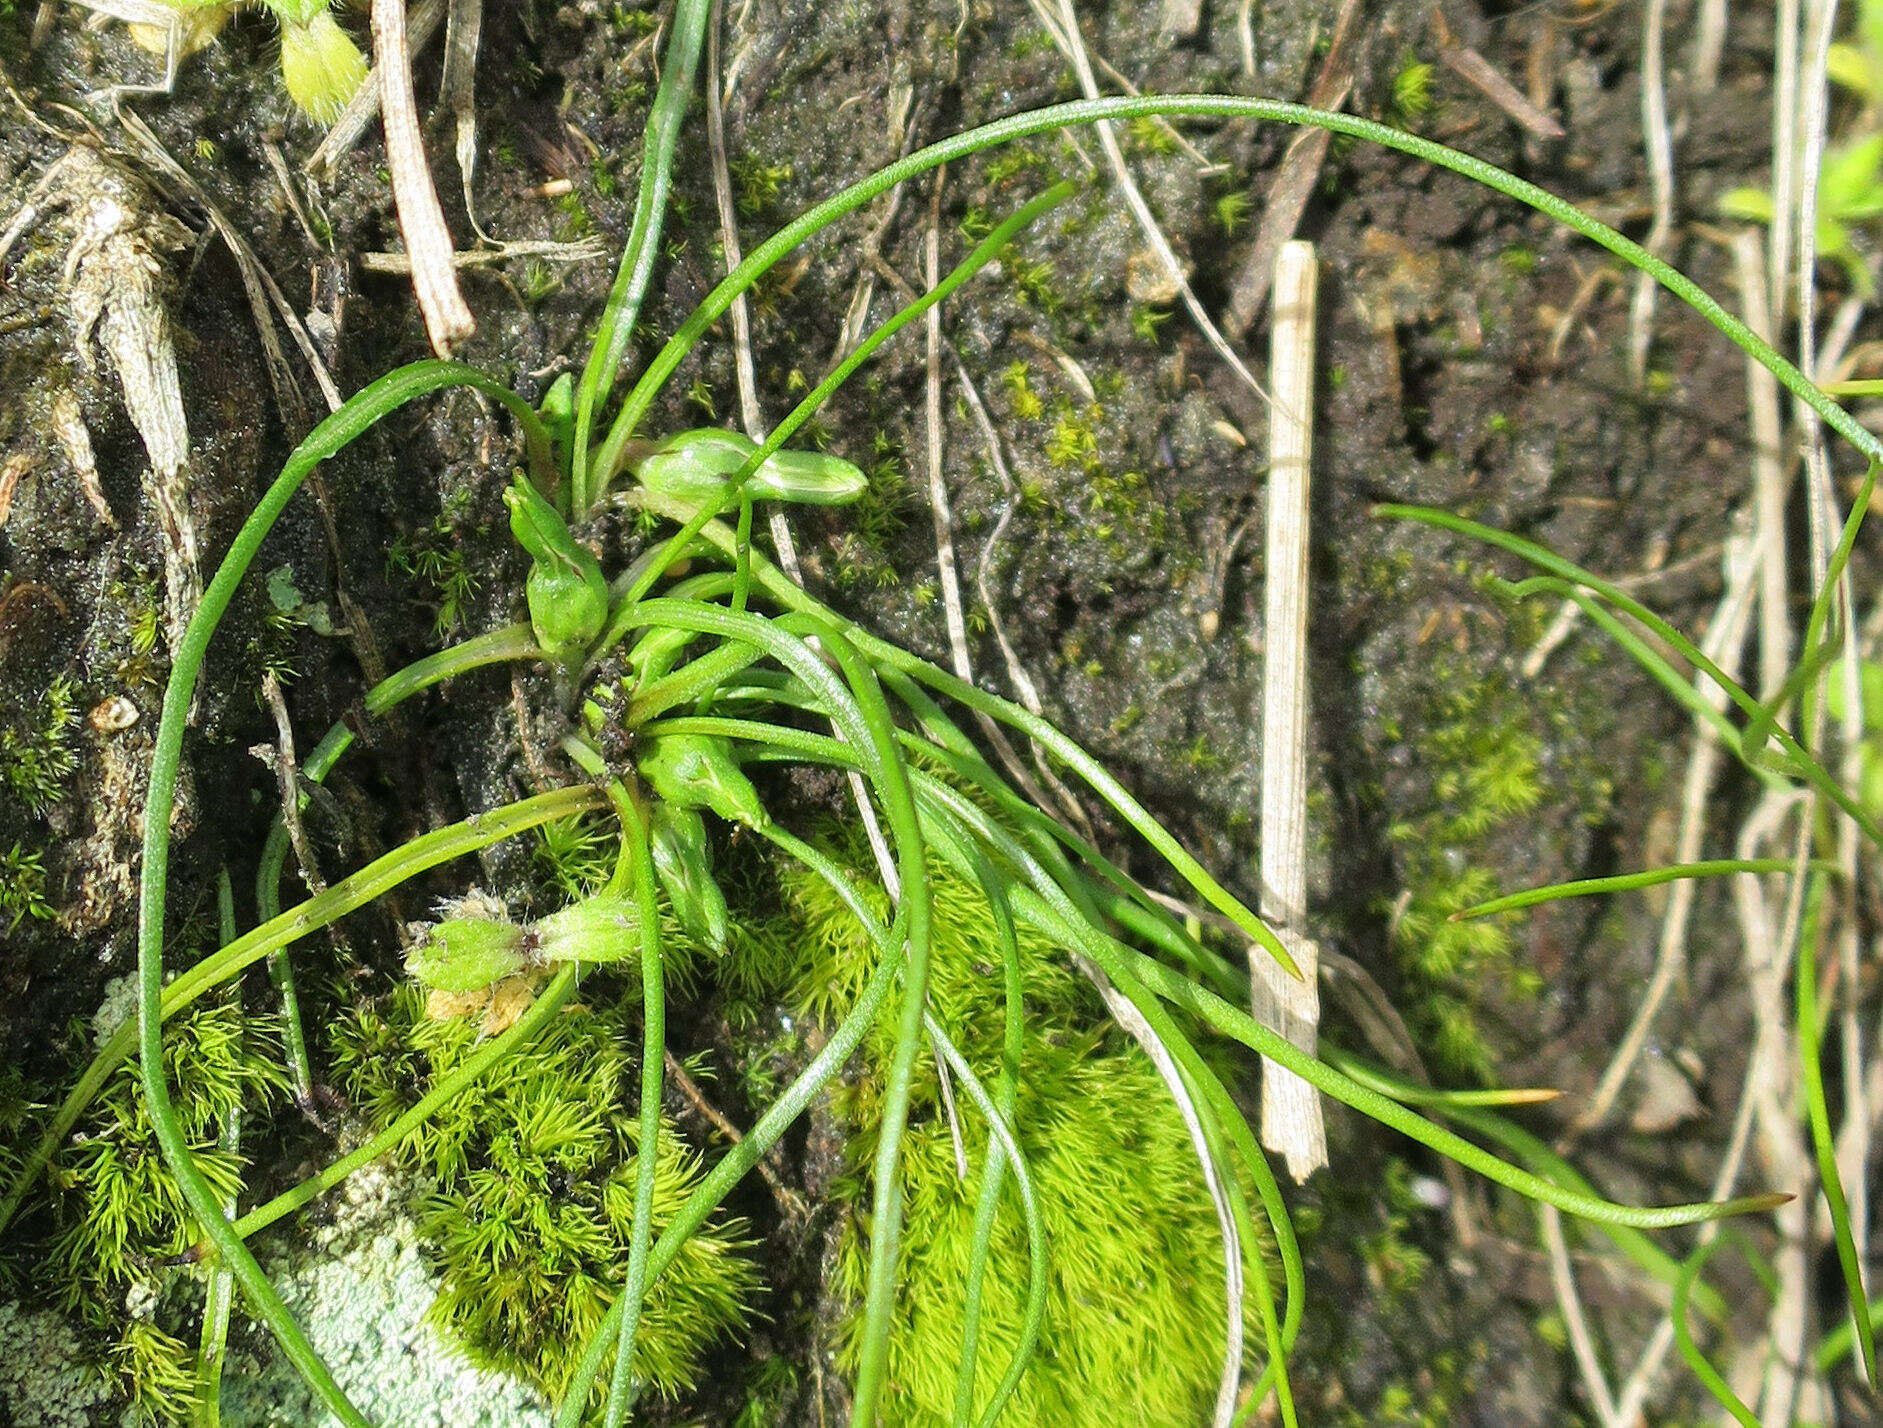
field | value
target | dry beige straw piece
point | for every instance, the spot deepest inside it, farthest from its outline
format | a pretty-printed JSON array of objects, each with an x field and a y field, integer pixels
[
  {"x": 1291, "y": 1112},
  {"x": 422, "y": 222}
]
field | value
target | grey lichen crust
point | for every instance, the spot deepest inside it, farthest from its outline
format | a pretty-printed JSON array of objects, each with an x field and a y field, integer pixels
[
  {"x": 44, "y": 1380},
  {"x": 361, "y": 1289}
]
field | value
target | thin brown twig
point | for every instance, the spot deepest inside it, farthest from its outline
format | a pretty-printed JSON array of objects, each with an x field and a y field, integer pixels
[
  {"x": 1658, "y": 136},
  {"x": 288, "y": 775},
  {"x": 789, "y": 1201},
  {"x": 1771, "y": 947},
  {"x": 1478, "y": 72},
  {"x": 457, "y": 93},
  {"x": 1569, "y": 1301},
  {"x": 1067, "y": 36},
  {"x": 1024, "y": 687},
  {"x": 1295, "y": 177},
  {"x": 400, "y": 264}
]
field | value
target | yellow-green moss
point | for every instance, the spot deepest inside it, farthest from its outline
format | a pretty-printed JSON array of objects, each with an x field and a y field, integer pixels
[
  {"x": 1134, "y": 1328},
  {"x": 117, "y": 1223},
  {"x": 530, "y": 1217}
]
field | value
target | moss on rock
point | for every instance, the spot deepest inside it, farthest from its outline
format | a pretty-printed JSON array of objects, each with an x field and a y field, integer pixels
[
  {"x": 531, "y": 1209},
  {"x": 1134, "y": 1327}
]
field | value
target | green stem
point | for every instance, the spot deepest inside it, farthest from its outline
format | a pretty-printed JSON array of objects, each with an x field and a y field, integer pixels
[
  {"x": 1690, "y": 1351},
  {"x": 1001, "y": 1146},
  {"x": 1622, "y": 882},
  {"x": 634, "y": 833},
  {"x": 499, "y": 646},
  {"x": 1001, "y": 1135},
  {"x": 1823, "y": 1140},
  {"x": 1280, "y": 1338},
  {"x": 221, "y": 1295},
  {"x": 984, "y": 253},
  {"x": 1533, "y": 1153},
  {"x": 987, "y": 1202},
  {"x": 1240, "y": 1026},
  {"x": 637, "y": 259},
  {"x": 891, "y": 778},
  {"x": 1833, "y": 573}
]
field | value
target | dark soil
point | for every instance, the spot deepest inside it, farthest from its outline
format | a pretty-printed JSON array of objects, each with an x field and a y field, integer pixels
[{"x": 1125, "y": 580}]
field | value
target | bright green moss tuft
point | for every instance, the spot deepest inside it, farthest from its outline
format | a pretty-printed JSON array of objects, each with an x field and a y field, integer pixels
[
  {"x": 23, "y": 887},
  {"x": 1134, "y": 1311},
  {"x": 36, "y": 755},
  {"x": 1134, "y": 1321},
  {"x": 118, "y": 1222},
  {"x": 533, "y": 1169},
  {"x": 117, "y": 1207},
  {"x": 575, "y": 854}
]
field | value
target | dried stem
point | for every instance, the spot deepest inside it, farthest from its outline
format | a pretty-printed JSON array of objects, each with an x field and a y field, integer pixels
[
  {"x": 421, "y": 220},
  {"x": 1291, "y": 1112}
]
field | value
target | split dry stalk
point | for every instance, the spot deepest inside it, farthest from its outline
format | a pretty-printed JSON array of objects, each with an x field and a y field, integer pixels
[
  {"x": 421, "y": 220},
  {"x": 1291, "y": 1111}
]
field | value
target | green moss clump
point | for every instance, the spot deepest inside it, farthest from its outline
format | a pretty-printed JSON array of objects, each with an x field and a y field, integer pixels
[
  {"x": 1134, "y": 1328},
  {"x": 531, "y": 1212},
  {"x": 118, "y": 1218},
  {"x": 1482, "y": 753},
  {"x": 23, "y": 887},
  {"x": 575, "y": 855},
  {"x": 36, "y": 756},
  {"x": 434, "y": 560},
  {"x": 1479, "y": 740}
]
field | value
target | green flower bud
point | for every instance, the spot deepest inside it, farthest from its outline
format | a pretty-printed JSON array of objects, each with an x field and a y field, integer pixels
[
  {"x": 320, "y": 64},
  {"x": 568, "y": 597},
  {"x": 467, "y": 954},
  {"x": 698, "y": 771},
  {"x": 566, "y": 612},
  {"x": 683, "y": 859},
  {"x": 597, "y": 929},
  {"x": 695, "y": 466}
]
